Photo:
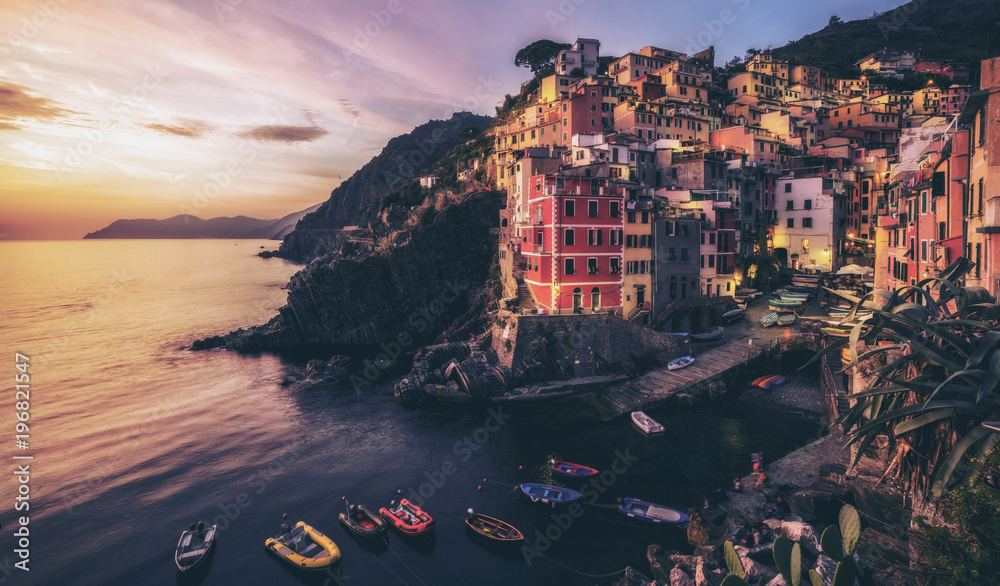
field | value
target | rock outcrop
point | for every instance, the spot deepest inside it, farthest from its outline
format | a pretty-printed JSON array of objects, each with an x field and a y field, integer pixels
[{"x": 393, "y": 299}]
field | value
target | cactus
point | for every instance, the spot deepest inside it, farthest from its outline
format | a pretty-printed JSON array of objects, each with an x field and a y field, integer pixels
[
  {"x": 788, "y": 558},
  {"x": 832, "y": 543},
  {"x": 846, "y": 573},
  {"x": 733, "y": 561},
  {"x": 816, "y": 579},
  {"x": 850, "y": 526},
  {"x": 733, "y": 580}
]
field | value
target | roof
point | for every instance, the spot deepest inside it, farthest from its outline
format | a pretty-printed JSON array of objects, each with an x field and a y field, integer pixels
[{"x": 974, "y": 102}]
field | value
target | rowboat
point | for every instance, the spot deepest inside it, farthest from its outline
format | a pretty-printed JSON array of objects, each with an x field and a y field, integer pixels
[
  {"x": 774, "y": 383},
  {"x": 549, "y": 494},
  {"x": 407, "y": 518},
  {"x": 731, "y": 316},
  {"x": 651, "y": 512},
  {"x": 680, "y": 363},
  {"x": 708, "y": 336},
  {"x": 194, "y": 547},
  {"x": 304, "y": 547},
  {"x": 362, "y": 521},
  {"x": 782, "y": 305},
  {"x": 646, "y": 423},
  {"x": 801, "y": 288},
  {"x": 769, "y": 320},
  {"x": 838, "y": 332},
  {"x": 760, "y": 381},
  {"x": 492, "y": 528},
  {"x": 572, "y": 470},
  {"x": 786, "y": 319}
]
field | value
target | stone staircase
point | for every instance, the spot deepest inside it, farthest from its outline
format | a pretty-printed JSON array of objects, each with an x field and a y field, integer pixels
[{"x": 636, "y": 313}]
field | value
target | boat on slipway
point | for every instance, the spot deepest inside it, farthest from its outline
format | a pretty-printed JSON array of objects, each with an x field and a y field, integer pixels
[{"x": 646, "y": 423}]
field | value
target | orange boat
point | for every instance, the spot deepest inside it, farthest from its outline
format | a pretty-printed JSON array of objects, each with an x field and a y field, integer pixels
[{"x": 407, "y": 518}]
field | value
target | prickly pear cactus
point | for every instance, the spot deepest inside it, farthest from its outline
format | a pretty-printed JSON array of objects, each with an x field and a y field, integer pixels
[
  {"x": 733, "y": 561},
  {"x": 788, "y": 558}
]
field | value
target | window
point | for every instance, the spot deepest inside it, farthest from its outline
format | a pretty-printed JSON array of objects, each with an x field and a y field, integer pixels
[
  {"x": 671, "y": 228},
  {"x": 645, "y": 217},
  {"x": 591, "y": 266},
  {"x": 644, "y": 241},
  {"x": 594, "y": 237},
  {"x": 671, "y": 253},
  {"x": 923, "y": 250},
  {"x": 703, "y": 261},
  {"x": 711, "y": 237},
  {"x": 569, "y": 266},
  {"x": 570, "y": 237},
  {"x": 684, "y": 254},
  {"x": 616, "y": 237},
  {"x": 791, "y": 222},
  {"x": 570, "y": 208},
  {"x": 614, "y": 265},
  {"x": 711, "y": 261},
  {"x": 789, "y": 205},
  {"x": 630, "y": 241},
  {"x": 615, "y": 209},
  {"x": 538, "y": 237},
  {"x": 630, "y": 217},
  {"x": 807, "y": 222},
  {"x": 808, "y": 204},
  {"x": 644, "y": 267}
]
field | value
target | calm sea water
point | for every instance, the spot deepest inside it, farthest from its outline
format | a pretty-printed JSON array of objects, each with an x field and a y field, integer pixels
[{"x": 134, "y": 437}]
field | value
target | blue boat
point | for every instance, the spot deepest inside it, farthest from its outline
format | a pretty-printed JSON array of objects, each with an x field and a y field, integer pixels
[
  {"x": 549, "y": 494},
  {"x": 775, "y": 383},
  {"x": 801, "y": 289},
  {"x": 651, "y": 512}
]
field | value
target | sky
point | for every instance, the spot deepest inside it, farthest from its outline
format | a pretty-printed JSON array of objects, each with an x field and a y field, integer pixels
[{"x": 113, "y": 109}]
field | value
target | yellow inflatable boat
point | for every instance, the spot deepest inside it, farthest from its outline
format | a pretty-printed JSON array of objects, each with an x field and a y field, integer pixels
[{"x": 304, "y": 547}]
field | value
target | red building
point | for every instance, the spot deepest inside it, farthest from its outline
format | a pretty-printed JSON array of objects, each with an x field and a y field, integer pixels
[{"x": 574, "y": 240}]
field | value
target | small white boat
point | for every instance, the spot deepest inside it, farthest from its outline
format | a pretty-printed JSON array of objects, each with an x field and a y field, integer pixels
[
  {"x": 680, "y": 363},
  {"x": 194, "y": 547},
  {"x": 646, "y": 423}
]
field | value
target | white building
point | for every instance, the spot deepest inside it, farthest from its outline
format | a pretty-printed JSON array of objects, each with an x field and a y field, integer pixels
[
  {"x": 429, "y": 181},
  {"x": 583, "y": 54},
  {"x": 812, "y": 220}
]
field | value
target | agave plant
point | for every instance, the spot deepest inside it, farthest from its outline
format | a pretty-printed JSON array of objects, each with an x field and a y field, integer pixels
[{"x": 937, "y": 354}]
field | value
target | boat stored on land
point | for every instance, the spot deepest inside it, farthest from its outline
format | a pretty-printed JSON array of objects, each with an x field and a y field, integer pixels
[
  {"x": 194, "y": 547},
  {"x": 304, "y": 547},
  {"x": 646, "y": 423},
  {"x": 680, "y": 363},
  {"x": 708, "y": 336},
  {"x": 549, "y": 494},
  {"x": 731, "y": 316},
  {"x": 786, "y": 319},
  {"x": 651, "y": 512},
  {"x": 407, "y": 518},
  {"x": 493, "y": 528},
  {"x": 572, "y": 470},
  {"x": 769, "y": 320}
]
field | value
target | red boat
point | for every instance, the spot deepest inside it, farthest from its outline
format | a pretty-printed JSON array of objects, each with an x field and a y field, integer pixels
[
  {"x": 572, "y": 470},
  {"x": 407, "y": 518}
]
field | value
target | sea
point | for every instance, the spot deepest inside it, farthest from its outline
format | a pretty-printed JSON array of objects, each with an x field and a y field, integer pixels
[{"x": 130, "y": 437}]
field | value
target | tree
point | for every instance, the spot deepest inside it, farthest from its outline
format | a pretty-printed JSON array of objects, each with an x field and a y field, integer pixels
[
  {"x": 539, "y": 56},
  {"x": 933, "y": 362},
  {"x": 834, "y": 20}
]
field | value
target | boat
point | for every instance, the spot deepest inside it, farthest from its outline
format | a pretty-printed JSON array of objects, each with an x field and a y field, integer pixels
[
  {"x": 194, "y": 547},
  {"x": 680, "y": 363},
  {"x": 651, "y": 513},
  {"x": 708, "y": 336},
  {"x": 549, "y": 494},
  {"x": 407, "y": 518},
  {"x": 801, "y": 289},
  {"x": 838, "y": 332},
  {"x": 779, "y": 305},
  {"x": 492, "y": 528},
  {"x": 786, "y": 319},
  {"x": 304, "y": 547},
  {"x": 774, "y": 383},
  {"x": 788, "y": 296},
  {"x": 572, "y": 470},
  {"x": 760, "y": 380},
  {"x": 362, "y": 521},
  {"x": 769, "y": 320},
  {"x": 731, "y": 316},
  {"x": 646, "y": 423}
]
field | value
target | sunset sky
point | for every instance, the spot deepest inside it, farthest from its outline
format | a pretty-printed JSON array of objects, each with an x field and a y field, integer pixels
[{"x": 148, "y": 109}]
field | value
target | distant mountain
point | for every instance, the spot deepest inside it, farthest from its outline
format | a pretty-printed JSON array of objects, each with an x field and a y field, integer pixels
[
  {"x": 188, "y": 226},
  {"x": 962, "y": 30}
]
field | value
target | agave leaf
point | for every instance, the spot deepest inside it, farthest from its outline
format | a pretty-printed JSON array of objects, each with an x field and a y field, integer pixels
[
  {"x": 935, "y": 329},
  {"x": 985, "y": 347},
  {"x": 947, "y": 467},
  {"x": 953, "y": 376},
  {"x": 823, "y": 351},
  {"x": 925, "y": 419},
  {"x": 916, "y": 409},
  {"x": 992, "y": 380},
  {"x": 984, "y": 450}
]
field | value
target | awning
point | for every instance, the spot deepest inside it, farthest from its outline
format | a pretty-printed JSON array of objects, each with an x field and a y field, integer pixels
[{"x": 972, "y": 105}]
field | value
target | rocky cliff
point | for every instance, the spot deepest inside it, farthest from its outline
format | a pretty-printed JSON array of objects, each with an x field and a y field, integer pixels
[
  {"x": 403, "y": 159},
  {"x": 403, "y": 293}
]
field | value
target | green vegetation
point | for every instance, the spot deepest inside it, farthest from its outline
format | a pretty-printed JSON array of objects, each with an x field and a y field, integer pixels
[
  {"x": 540, "y": 56},
  {"x": 427, "y": 216},
  {"x": 940, "y": 383},
  {"x": 972, "y": 555}
]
